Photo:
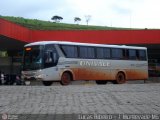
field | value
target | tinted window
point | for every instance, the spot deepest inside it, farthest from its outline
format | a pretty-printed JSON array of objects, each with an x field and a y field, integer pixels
[
  {"x": 142, "y": 55},
  {"x": 117, "y": 53},
  {"x": 33, "y": 57},
  {"x": 70, "y": 51},
  {"x": 91, "y": 52},
  {"x": 103, "y": 53},
  {"x": 50, "y": 56},
  {"x": 83, "y": 52},
  {"x": 86, "y": 52},
  {"x": 132, "y": 54}
]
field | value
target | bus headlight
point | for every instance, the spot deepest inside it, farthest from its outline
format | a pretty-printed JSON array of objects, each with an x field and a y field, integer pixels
[{"x": 40, "y": 76}]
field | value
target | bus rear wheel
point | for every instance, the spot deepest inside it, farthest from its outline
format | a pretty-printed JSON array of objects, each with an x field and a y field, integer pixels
[
  {"x": 66, "y": 78},
  {"x": 47, "y": 83},
  {"x": 101, "y": 82},
  {"x": 120, "y": 78}
]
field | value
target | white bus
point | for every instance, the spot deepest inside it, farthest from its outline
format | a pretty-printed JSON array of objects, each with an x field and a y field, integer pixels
[{"x": 50, "y": 61}]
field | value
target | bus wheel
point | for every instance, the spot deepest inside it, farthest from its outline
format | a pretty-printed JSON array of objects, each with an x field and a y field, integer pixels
[
  {"x": 47, "y": 83},
  {"x": 120, "y": 79},
  {"x": 66, "y": 78},
  {"x": 101, "y": 82}
]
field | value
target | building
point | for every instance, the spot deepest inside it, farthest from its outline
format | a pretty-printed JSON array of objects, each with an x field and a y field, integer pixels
[{"x": 13, "y": 37}]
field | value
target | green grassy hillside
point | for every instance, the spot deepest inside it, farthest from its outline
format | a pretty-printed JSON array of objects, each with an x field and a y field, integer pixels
[{"x": 47, "y": 25}]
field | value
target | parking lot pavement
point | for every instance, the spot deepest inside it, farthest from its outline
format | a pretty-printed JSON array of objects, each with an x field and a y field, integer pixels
[
  {"x": 83, "y": 82},
  {"x": 81, "y": 99}
]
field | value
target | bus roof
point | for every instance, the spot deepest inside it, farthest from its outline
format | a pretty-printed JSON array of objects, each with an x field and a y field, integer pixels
[{"x": 84, "y": 44}]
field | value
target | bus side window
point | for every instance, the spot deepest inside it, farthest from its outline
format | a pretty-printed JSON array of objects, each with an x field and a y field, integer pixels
[
  {"x": 48, "y": 57},
  {"x": 138, "y": 55},
  {"x": 124, "y": 54},
  {"x": 127, "y": 54},
  {"x": 132, "y": 54},
  {"x": 117, "y": 53},
  {"x": 103, "y": 53},
  {"x": 70, "y": 51},
  {"x": 87, "y": 52},
  {"x": 55, "y": 58},
  {"x": 142, "y": 54}
]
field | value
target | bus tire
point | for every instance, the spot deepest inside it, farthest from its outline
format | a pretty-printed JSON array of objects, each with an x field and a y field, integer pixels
[
  {"x": 120, "y": 78},
  {"x": 66, "y": 78},
  {"x": 47, "y": 83},
  {"x": 101, "y": 82}
]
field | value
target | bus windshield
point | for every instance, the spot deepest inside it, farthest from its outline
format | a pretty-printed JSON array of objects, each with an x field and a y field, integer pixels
[{"x": 32, "y": 58}]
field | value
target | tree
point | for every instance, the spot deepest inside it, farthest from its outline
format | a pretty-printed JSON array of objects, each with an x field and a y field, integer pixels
[
  {"x": 56, "y": 18},
  {"x": 88, "y": 18},
  {"x": 77, "y": 20}
]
